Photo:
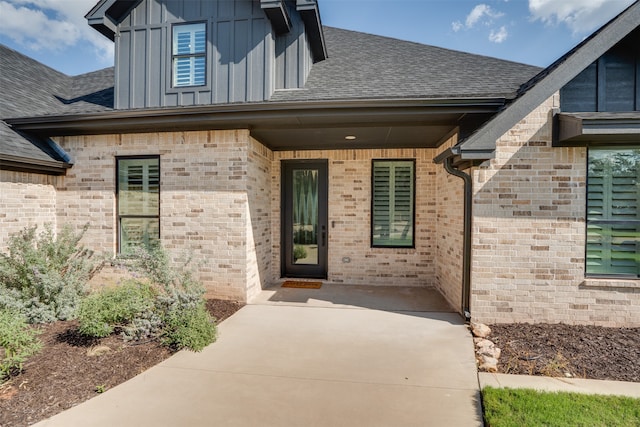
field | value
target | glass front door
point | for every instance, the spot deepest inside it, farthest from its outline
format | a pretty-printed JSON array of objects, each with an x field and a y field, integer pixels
[{"x": 304, "y": 222}]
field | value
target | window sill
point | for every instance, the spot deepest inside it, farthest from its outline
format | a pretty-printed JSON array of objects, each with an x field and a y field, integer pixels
[{"x": 610, "y": 284}]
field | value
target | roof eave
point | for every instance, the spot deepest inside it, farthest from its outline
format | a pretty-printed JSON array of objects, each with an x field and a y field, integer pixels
[
  {"x": 234, "y": 116},
  {"x": 106, "y": 14},
  {"x": 23, "y": 164},
  {"x": 277, "y": 13},
  {"x": 310, "y": 13}
]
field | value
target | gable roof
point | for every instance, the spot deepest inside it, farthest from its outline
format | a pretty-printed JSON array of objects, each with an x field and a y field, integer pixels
[{"x": 482, "y": 144}]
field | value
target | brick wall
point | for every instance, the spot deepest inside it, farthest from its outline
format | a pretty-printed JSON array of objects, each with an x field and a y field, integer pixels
[
  {"x": 449, "y": 233},
  {"x": 203, "y": 198},
  {"x": 25, "y": 200},
  {"x": 350, "y": 216},
  {"x": 259, "y": 271},
  {"x": 529, "y": 236}
]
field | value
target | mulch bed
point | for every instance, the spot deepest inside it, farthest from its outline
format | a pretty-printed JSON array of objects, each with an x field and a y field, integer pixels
[
  {"x": 562, "y": 350},
  {"x": 64, "y": 374}
]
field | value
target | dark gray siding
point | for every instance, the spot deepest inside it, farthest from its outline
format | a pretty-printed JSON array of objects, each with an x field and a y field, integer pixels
[
  {"x": 241, "y": 54},
  {"x": 610, "y": 84},
  {"x": 293, "y": 56}
]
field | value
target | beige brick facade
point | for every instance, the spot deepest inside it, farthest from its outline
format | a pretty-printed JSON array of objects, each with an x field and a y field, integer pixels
[
  {"x": 529, "y": 235},
  {"x": 220, "y": 205},
  {"x": 25, "y": 200},
  {"x": 203, "y": 198},
  {"x": 350, "y": 219},
  {"x": 449, "y": 233}
]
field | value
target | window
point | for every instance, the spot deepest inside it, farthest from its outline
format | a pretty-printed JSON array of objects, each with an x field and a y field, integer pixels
[
  {"x": 613, "y": 213},
  {"x": 189, "y": 55},
  {"x": 392, "y": 204},
  {"x": 138, "y": 202}
]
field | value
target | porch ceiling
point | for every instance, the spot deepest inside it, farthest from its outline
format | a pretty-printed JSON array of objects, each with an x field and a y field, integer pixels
[
  {"x": 426, "y": 131},
  {"x": 366, "y": 137}
]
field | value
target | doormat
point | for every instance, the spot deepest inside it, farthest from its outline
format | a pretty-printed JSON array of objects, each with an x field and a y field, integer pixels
[{"x": 301, "y": 285}]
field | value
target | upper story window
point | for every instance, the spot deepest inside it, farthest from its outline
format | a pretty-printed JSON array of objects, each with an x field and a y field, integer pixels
[
  {"x": 392, "y": 204},
  {"x": 613, "y": 212},
  {"x": 189, "y": 54}
]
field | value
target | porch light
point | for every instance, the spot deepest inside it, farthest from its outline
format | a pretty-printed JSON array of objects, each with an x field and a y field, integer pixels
[{"x": 350, "y": 137}]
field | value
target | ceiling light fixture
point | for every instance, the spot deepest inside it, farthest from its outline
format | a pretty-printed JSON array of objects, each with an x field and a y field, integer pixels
[{"x": 350, "y": 137}]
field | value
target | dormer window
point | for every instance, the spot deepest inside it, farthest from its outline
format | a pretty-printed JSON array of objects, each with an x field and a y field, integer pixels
[{"x": 189, "y": 54}]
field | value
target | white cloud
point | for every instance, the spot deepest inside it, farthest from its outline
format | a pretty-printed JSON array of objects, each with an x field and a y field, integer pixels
[
  {"x": 580, "y": 16},
  {"x": 481, "y": 13},
  {"x": 53, "y": 25},
  {"x": 498, "y": 36}
]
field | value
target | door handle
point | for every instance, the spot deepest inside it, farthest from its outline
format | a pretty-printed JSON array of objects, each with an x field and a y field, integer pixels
[{"x": 324, "y": 236}]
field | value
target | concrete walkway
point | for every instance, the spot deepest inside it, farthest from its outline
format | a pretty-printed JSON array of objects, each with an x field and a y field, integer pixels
[{"x": 388, "y": 357}]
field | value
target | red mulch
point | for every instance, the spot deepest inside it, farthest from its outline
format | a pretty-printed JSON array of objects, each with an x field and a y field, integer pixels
[{"x": 63, "y": 375}]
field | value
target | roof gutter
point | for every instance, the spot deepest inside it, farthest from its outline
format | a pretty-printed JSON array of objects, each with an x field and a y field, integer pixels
[{"x": 446, "y": 158}]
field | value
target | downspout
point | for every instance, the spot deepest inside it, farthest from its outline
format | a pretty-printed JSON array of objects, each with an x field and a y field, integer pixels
[{"x": 466, "y": 239}]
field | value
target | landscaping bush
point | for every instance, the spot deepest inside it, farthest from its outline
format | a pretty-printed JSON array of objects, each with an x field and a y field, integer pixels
[
  {"x": 102, "y": 312},
  {"x": 193, "y": 329},
  {"x": 44, "y": 276},
  {"x": 18, "y": 341},
  {"x": 180, "y": 303},
  {"x": 166, "y": 303}
]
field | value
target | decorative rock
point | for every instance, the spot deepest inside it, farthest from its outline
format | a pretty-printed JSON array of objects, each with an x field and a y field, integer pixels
[
  {"x": 488, "y": 348},
  {"x": 483, "y": 343},
  {"x": 480, "y": 330},
  {"x": 488, "y": 364}
]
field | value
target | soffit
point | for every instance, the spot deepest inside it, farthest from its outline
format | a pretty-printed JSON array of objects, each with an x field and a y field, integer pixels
[{"x": 579, "y": 129}]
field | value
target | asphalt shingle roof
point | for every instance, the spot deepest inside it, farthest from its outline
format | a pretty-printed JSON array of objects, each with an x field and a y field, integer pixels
[
  {"x": 30, "y": 88},
  {"x": 365, "y": 66},
  {"x": 360, "y": 66}
]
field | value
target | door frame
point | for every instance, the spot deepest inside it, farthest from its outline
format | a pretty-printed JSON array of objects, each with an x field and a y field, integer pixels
[{"x": 287, "y": 266}]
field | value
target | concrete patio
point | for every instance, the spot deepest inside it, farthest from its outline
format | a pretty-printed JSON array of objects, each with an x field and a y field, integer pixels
[{"x": 336, "y": 356}]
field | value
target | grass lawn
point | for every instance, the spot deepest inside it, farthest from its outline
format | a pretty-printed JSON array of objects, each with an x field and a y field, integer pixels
[{"x": 519, "y": 408}]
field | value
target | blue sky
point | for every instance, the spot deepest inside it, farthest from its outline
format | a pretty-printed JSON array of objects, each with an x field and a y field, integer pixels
[{"x": 531, "y": 31}]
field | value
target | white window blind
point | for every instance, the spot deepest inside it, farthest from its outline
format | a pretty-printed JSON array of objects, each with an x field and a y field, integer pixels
[
  {"x": 393, "y": 203},
  {"x": 189, "y": 55},
  {"x": 138, "y": 203},
  {"x": 613, "y": 213}
]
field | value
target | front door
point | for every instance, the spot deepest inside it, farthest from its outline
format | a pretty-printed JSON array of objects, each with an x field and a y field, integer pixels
[{"x": 304, "y": 218}]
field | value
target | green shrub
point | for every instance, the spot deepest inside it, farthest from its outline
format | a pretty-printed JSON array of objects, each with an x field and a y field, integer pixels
[
  {"x": 44, "y": 276},
  {"x": 193, "y": 328},
  {"x": 18, "y": 341},
  {"x": 175, "y": 313},
  {"x": 110, "y": 308}
]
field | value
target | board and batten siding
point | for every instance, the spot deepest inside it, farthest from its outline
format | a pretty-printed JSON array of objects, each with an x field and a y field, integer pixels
[
  {"x": 246, "y": 61},
  {"x": 611, "y": 84}
]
